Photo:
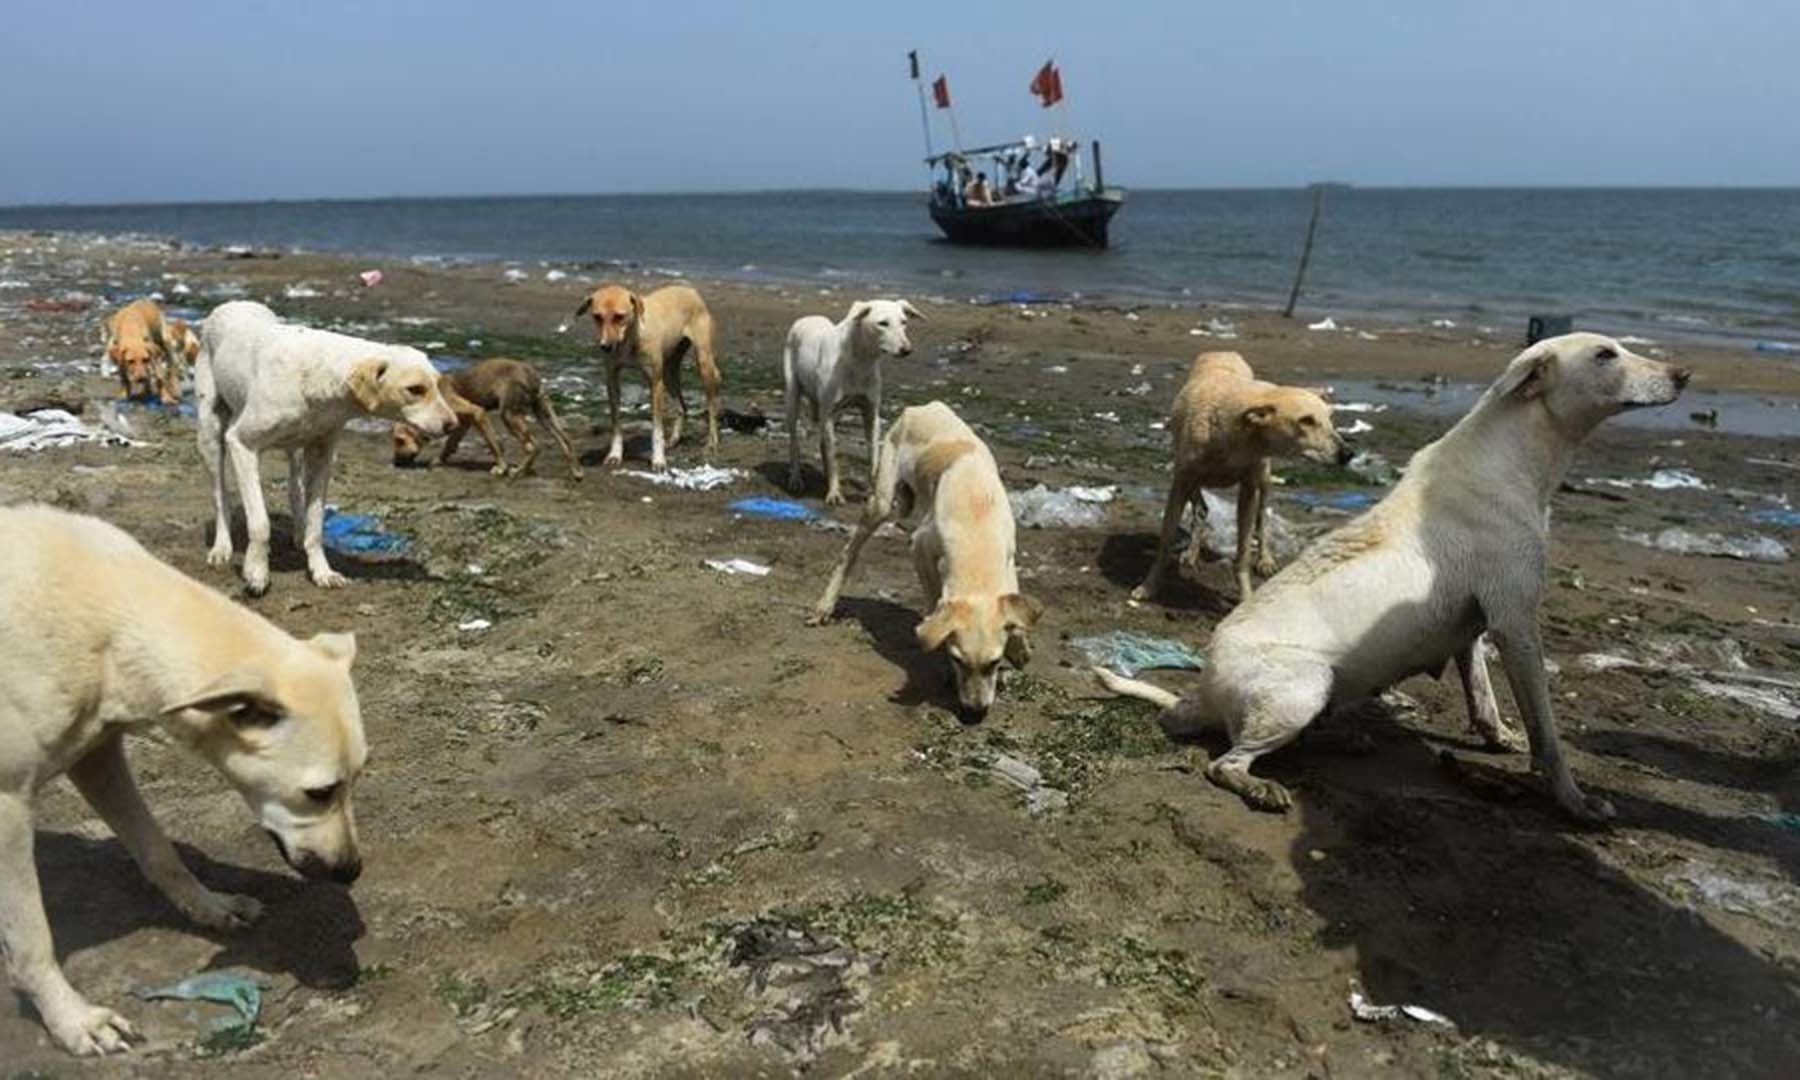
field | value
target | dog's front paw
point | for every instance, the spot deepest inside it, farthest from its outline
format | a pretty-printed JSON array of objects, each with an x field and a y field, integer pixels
[
  {"x": 1265, "y": 566},
  {"x": 821, "y": 616},
  {"x": 499, "y": 469},
  {"x": 614, "y": 459},
  {"x": 329, "y": 579},
  {"x": 218, "y": 555},
  {"x": 1143, "y": 592},
  {"x": 1590, "y": 809},
  {"x": 89, "y": 1030},
  {"x": 256, "y": 581},
  {"x": 659, "y": 465},
  {"x": 223, "y": 911},
  {"x": 1501, "y": 739},
  {"x": 834, "y": 497},
  {"x": 575, "y": 473}
]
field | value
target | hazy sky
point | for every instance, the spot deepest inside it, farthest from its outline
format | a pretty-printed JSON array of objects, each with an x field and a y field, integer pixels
[{"x": 103, "y": 102}]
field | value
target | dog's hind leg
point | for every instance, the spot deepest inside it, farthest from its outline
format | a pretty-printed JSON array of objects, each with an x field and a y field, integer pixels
[
  {"x": 484, "y": 427},
  {"x": 104, "y": 779},
  {"x": 1180, "y": 488},
  {"x": 1478, "y": 698},
  {"x": 672, "y": 379},
  {"x": 546, "y": 414},
  {"x": 211, "y": 436},
  {"x": 296, "y": 489},
  {"x": 871, "y": 418},
  {"x": 796, "y": 482},
  {"x": 29, "y": 950},
  {"x": 1275, "y": 716},
  {"x": 705, "y": 357},
  {"x": 318, "y": 456},
  {"x": 828, "y": 455},
  {"x": 515, "y": 423}
]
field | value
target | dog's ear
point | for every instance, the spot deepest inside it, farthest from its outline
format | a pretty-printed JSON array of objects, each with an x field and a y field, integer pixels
[
  {"x": 1526, "y": 376},
  {"x": 857, "y": 311},
  {"x": 243, "y": 694},
  {"x": 1257, "y": 416},
  {"x": 1323, "y": 393},
  {"x": 1020, "y": 613},
  {"x": 365, "y": 382},
  {"x": 587, "y": 305},
  {"x": 637, "y": 308},
  {"x": 115, "y": 354},
  {"x": 941, "y": 623},
  {"x": 338, "y": 647},
  {"x": 912, "y": 312}
]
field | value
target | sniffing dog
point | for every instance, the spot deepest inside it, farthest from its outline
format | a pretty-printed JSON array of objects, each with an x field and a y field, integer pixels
[
  {"x": 835, "y": 365},
  {"x": 133, "y": 645},
  {"x": 655, "y": 331},
  {"x": 509, "y": 387},
  {"x": 962, "y": 549},
  {"x": 1457, "y": 550},
  {"x": 1228, "y": 424},
  {"x": 262, "y": 384},
  {"x": 138, "y": 345}
]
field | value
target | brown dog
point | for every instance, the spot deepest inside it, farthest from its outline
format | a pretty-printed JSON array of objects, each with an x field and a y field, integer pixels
[
  {"x": 138, "y": 344},
  {"x": 656, "y": 331},
  {"x": 509, "y": 387},
  {"x": 1227, "y": 425}
]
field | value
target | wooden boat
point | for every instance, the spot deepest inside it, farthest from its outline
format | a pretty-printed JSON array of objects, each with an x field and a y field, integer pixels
[{"x": 1077, "y": 215}]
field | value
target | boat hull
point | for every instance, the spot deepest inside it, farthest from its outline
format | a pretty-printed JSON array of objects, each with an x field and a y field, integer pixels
[{"x": 1070, "y": 222}]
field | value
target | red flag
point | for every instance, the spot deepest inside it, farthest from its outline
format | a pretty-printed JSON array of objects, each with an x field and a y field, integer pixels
[
  {"x": 1047, "y": 84},
  {"x": 940, "y": 91}
]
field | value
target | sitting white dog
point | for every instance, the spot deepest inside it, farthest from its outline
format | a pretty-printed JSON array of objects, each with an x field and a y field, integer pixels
[
  {"x": 833, "y": 365},
  {"x": 262, "y": 384}
]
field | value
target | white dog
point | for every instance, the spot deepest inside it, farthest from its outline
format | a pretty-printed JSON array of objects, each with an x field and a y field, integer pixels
[
  {"x": 1458, "y": 549},
  {"x": 134, "y": 644},
  {"x": 835, "y": 365},
  {"x": 262, "y": 384}
]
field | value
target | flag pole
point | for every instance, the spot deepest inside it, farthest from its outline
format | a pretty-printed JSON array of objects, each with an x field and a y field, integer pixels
[
  {"x": 912, "y": 59},
  {"x": 955, "y": 129}
]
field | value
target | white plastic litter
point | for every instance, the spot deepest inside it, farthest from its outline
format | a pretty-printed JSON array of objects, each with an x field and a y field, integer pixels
[
  {"x": 698, "y": 478},
  {"x": 1357, "y": 427},
  {"x": 474, "y": 626},
  {"x": 738, "y": 566},
  {"x": 1073, "y": 508},
  {"x": 1660, "y": 480},
  {"x": 1363, "y": 1009},
  {"x": 1358, "y": 407},
  {"x": 1221, "y": 528},
  {"x": 1770, "y": 903},
  {"x": 1366, "y": 336},
  {"x": 1444, "y": 324},
  {"x": 1751, "y": 548},
  {"x": 554, "y": 275},
  {"x": 300, "y": 292},
  {"x": 513, "y": 273},
  {"x": 49, "y": 428},
  {"x": 1327, "y": 323}
]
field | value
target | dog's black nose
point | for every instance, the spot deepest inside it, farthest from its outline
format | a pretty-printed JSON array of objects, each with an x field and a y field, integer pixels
[
  {"x": 346, "y": 873},
  {"x": 906, "y": 350},
  {"x": 1681, "y": 376}
]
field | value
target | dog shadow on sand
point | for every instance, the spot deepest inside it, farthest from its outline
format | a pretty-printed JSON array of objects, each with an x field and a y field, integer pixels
[
  {"x": 1124, "y": 561},
  {"x": 891, "y": 627},
  {"x": 285, "y": 556},
  {"x": 95, "y": 894}
]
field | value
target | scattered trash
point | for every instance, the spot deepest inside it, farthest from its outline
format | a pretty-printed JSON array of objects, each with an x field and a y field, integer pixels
[
  {"x": 1221, "y": 528},
  {"x": 1764, "y": 699},
  {"x": 57, "y": 305},
  {"x": 1366, "y": 336},
  {"x": 474, "y": 626},
  {"x": 773, "y": 509},
  {"x": 1073, "y": 507},
  {"x": 1336, "y": 500},
  {"x": 1128, "y": 652},
  {"x": 301, "y": 292},
  {"x": 1772, "y": 463},
  {"x": 1752, "y": 548},
  {"x": 1327, "y": 323},
  {"x": 1776, "y": 515},
  {"x": 513, "y": 273},
  {"x": 698, "y": 478},
  {"x": 1140, "y": 389},
  {"x": 555, "y": 275},
  {"x": 810, "y": 984},
  {"x": 738, "y": 566},
  {"x": 241, "y": 992},
  {"x": 1372, "y": 467},
  {"x": 1697, "y": 881},
  {"x": 1444, "y": 324},
  {"x": 370, "y": 278},
  {"x": 1633, "y": 339},
  {"x": 360, "y": 534},
  {"x": 1039, "y": 797},
  {"x": 48, "y": 428},
  {"x": 1358, "y": 407},
  {"x": 1358, "y": 426},
  {"x": 1363, "y": 1009},
  {"x": 1660, "y": 480},
  {"x": 1784, "y": 820},
  {"x": 1777, "y": 347},
  {"x": 1713, "y": 666},
  {"x": 742, "y": 422}
]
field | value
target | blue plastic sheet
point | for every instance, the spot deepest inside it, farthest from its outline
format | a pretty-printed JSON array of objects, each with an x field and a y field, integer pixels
[
  {"x": 1777, "y": 515},
  {"x": 1128, "y": 653},
  {"x": 241, "y": 992},
  {"x": 1337, "y": 500},
  {"x": 763, "y": 506},
  {"x": 361, "y": 534}
]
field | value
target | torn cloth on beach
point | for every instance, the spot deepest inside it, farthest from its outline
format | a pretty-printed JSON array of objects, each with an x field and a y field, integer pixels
[{"x": 47, "y": 428}]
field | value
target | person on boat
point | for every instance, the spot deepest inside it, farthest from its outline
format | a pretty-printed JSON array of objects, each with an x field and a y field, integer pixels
[
  {"x": 978, "y": 192},
  {"x": 1028, "y": 180},
  {"x": 1059, "y": 159}
]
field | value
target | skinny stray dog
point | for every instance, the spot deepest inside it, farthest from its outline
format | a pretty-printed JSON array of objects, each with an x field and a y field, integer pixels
[
  {"x": 1456, "y": 551},
  {"x": 836, "y": 365},
  {"x": 262, "y": 384},
  {"x": 509, "y": 387},
  {"x": 278, "y": 717},
  {"x": 962, "y": 549},
  {"x": 656, "y": 331},
  {"x": 1228, "y": 424},
  {"x": 138, "y": 344}
]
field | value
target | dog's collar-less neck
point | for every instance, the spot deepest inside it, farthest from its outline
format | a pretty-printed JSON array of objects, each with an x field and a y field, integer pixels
[{"x": 1529, "y": 436}]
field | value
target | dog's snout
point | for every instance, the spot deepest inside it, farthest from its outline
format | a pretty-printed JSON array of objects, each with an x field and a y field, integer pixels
[
  {"x": 1681, "y": 375},
  {"x": 346, "y": 872},
  {"x": 1345, "y": 453},
  {"x": 906, "y": 350}
]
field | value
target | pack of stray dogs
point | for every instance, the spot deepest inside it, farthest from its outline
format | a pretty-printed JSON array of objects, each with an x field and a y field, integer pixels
[{"x": 1455, "y": 554}]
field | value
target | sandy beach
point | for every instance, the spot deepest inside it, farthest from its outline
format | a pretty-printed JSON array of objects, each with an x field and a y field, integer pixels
[{"x": 625, "y": 814}]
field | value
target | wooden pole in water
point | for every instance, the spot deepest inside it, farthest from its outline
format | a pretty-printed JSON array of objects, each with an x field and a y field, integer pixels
[
  {"x": 1312, "y": 227},
  {"x": 1099, "y": 174}
]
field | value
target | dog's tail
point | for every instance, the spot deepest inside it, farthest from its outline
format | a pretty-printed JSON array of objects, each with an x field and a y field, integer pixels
[{"x": 1143, "y": 691}]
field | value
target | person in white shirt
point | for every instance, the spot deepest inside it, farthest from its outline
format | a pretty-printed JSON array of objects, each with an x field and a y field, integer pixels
[{"x": 1028, "y": 179}]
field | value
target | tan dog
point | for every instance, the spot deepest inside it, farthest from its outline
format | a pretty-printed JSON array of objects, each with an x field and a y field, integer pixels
[
  {"x": 962, "y": 548},
  {"x": 509, "y": 387},
  {"x": 184, "y": 350},
  {"x": 137, "y": 343},
  {"x": 1228, "y": 424},
  {"x": 1457, "y": 550},
  {"x": 278, "y": 717},
  {"x": 656, "y": 331}
]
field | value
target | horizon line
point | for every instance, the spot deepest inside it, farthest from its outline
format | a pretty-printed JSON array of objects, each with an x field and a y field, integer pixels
[{"x": 743, "y": 192}]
